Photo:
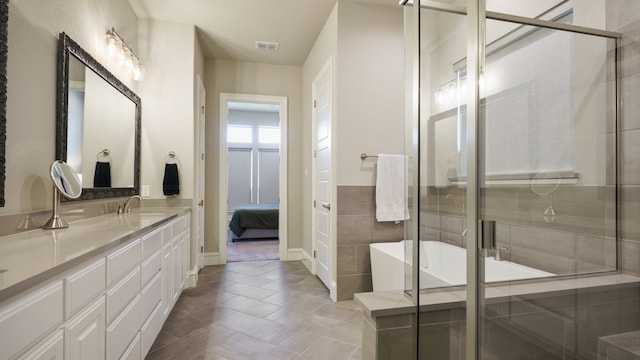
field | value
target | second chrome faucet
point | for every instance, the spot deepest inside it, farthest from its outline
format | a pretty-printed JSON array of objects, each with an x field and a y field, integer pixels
[{"x": 126, "y": 208}]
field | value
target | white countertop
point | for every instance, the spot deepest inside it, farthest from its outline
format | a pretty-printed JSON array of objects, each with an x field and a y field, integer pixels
[{"x": 33, "y": 256}]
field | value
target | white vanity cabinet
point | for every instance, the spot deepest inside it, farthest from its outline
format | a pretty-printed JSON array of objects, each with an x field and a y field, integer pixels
[
  {"x": 111, "y": 306},
  {"x": 25, "y": 319},
  {"x": 123, "y": 298},
  {"x": 175, "y": 262},
  {"x": 84, "y": 333},
  {"x": 51, "y": 348}
]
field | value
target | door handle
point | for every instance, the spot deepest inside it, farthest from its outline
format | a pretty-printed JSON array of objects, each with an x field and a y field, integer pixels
[
  {"x": 487, "y": 229},
  {"x": 201, "y": 203},
  {"x": 327, "y": 206}
]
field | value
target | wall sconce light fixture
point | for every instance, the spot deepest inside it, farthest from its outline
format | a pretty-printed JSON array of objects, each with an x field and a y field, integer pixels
[{"x": 118, "y": 48}]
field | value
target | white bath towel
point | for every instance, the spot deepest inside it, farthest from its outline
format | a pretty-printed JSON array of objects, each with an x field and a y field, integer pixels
[{"x": 390, "y": 188}]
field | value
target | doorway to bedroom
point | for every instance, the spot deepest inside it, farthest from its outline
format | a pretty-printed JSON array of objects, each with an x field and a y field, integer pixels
[{"x": 253, "y": 139}]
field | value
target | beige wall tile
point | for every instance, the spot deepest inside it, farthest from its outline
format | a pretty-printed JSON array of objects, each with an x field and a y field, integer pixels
[
  {"x": 356, "y": 200},
  {"x": 620, "y": 12},
  {"x": 346, "y": 260},
  {"x": 594, "y": 253},
  {"x": 396, "y": 344},
  {"x": 363, "y": 259},
  {"x": 630, "y": 257},
  {"x": 354, "y": 229},
  {"x": 543, "y": 260},
  {"x": 555, "y": 242},
  {"x": 387, "y": 231},
  {"x": 434, "y": 341},
  {"x": 630, "y": 212},
  {"x": 347, "y": 285},
  {"x": 629, "y": 51},
  {"x": 630, "y": 106},
  {"x": 630, "y": 157}
]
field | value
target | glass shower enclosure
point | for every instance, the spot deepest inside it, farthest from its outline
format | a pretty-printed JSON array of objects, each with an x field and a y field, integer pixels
[{"x": 512, "y": 131}]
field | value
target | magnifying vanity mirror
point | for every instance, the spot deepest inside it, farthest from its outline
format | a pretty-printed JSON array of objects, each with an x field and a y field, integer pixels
[
  {"x": 98, "y": 125},
  {"x": 65, "y": 182}
]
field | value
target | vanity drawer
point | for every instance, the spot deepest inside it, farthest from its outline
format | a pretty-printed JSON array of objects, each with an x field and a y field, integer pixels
[
  {"x": 133, "y": 351},
  {"x": 50, "y": 348},
  {"x": 151, "y": 267},
  {"x": 151, "y": 243},
  {"x": 83, "y": 286},
  {"x": 151, "y": 329},
  {"x": 151, "y": 296},
  {"x": 123, "y": 330},
  {"x": 120, "y": 295},
  {"x": 178, "y": 226},
  {"x": 166, "y": 234},
  {"x": 122, "y": 261},
  {"x": 28, "y": 318}
]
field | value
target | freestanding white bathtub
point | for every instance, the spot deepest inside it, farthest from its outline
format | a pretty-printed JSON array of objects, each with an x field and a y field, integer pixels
[{"x": 441, "y": 264}]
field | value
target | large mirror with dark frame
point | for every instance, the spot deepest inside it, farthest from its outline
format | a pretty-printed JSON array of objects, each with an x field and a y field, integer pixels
[
  {"x": 98, "y": 125},
  {"x": 4, "y": 24}
]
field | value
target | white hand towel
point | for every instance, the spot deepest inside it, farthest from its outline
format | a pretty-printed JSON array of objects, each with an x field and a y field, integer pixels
[{"x": 390, "y": 188}]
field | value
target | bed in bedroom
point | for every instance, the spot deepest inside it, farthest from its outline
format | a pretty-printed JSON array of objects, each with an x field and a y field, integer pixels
[{"x": 255, "y": 221}]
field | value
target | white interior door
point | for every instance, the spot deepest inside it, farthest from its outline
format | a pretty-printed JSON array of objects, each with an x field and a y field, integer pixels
[{"x": 323, "y": 186}]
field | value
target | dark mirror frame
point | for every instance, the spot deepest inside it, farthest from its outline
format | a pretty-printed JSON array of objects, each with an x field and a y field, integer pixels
[
  {"x": 4, "y": 25},
  {"x": 67, "y": 47}
]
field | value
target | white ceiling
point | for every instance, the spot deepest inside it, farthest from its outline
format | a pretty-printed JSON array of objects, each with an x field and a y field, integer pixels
[{"x": 229, "y": 29}]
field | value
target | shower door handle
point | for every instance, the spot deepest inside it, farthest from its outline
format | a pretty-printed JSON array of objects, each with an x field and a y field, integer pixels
[
  {"x": 327, "y": 206},
  {"x": 487, "y": 230}
]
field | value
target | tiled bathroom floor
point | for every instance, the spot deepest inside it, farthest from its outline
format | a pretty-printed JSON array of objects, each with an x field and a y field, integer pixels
[{"x": 259, "y": 310}]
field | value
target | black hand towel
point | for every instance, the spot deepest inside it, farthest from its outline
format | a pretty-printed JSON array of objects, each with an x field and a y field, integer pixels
[
  {"x": 171, "y": 182},
  {"x": 102, "y": 174}
]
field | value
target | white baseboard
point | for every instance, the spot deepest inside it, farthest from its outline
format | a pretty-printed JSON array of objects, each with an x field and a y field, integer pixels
[
  {"x": 297, "y": 254},
  {"x": 212, "y": 258},
  {"x": 294, "y": 254},
  {"x": 307, "y": 260},
  {"x": 192, "y": 277}
]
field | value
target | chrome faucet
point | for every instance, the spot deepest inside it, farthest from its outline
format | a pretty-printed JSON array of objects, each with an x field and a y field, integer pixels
[
  {"x": 127, "y": 204},
  {"x": 499, "y": 250}
]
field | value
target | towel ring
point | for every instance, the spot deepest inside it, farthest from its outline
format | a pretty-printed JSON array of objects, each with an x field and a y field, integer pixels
[
  {"x": 171, "y": 158},
  {"x": 104, "y": 154}
]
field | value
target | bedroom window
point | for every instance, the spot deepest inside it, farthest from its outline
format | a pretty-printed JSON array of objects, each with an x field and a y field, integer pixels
[
  {"x": 239, "y": 134},
  {"x": 253, "y": 160},
  {"x": 268, "y": 135}
]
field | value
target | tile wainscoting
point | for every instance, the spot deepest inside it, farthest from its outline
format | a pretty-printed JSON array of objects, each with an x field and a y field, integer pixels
[{"x": 356, "y": 229}]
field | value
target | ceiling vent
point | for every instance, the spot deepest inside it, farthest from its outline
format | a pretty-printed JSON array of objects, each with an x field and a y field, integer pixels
[{"x": 266, "y": 45}]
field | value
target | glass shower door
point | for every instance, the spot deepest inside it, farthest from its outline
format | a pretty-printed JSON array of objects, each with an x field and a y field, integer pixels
[{"x": 546, "y": 190}]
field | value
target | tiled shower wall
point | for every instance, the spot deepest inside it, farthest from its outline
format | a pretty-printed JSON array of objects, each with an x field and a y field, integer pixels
[
  {"x": 580, "y": 238},
  {"x": 356, "y": 229}
]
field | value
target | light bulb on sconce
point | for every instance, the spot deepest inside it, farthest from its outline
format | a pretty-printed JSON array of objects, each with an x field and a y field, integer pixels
[
  {"x": 112, "y": 44},
  {"x": 455, "y": 91},
  {"x": 138, "y": 72},
  {"x": 125, "y": 56}
]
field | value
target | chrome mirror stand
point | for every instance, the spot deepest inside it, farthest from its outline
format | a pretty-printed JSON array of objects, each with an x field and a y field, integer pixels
[{"x": 56, "y": 221}]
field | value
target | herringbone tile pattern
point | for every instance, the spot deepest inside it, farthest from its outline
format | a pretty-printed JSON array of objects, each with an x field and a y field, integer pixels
[{"x": 259, "y": 310}]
